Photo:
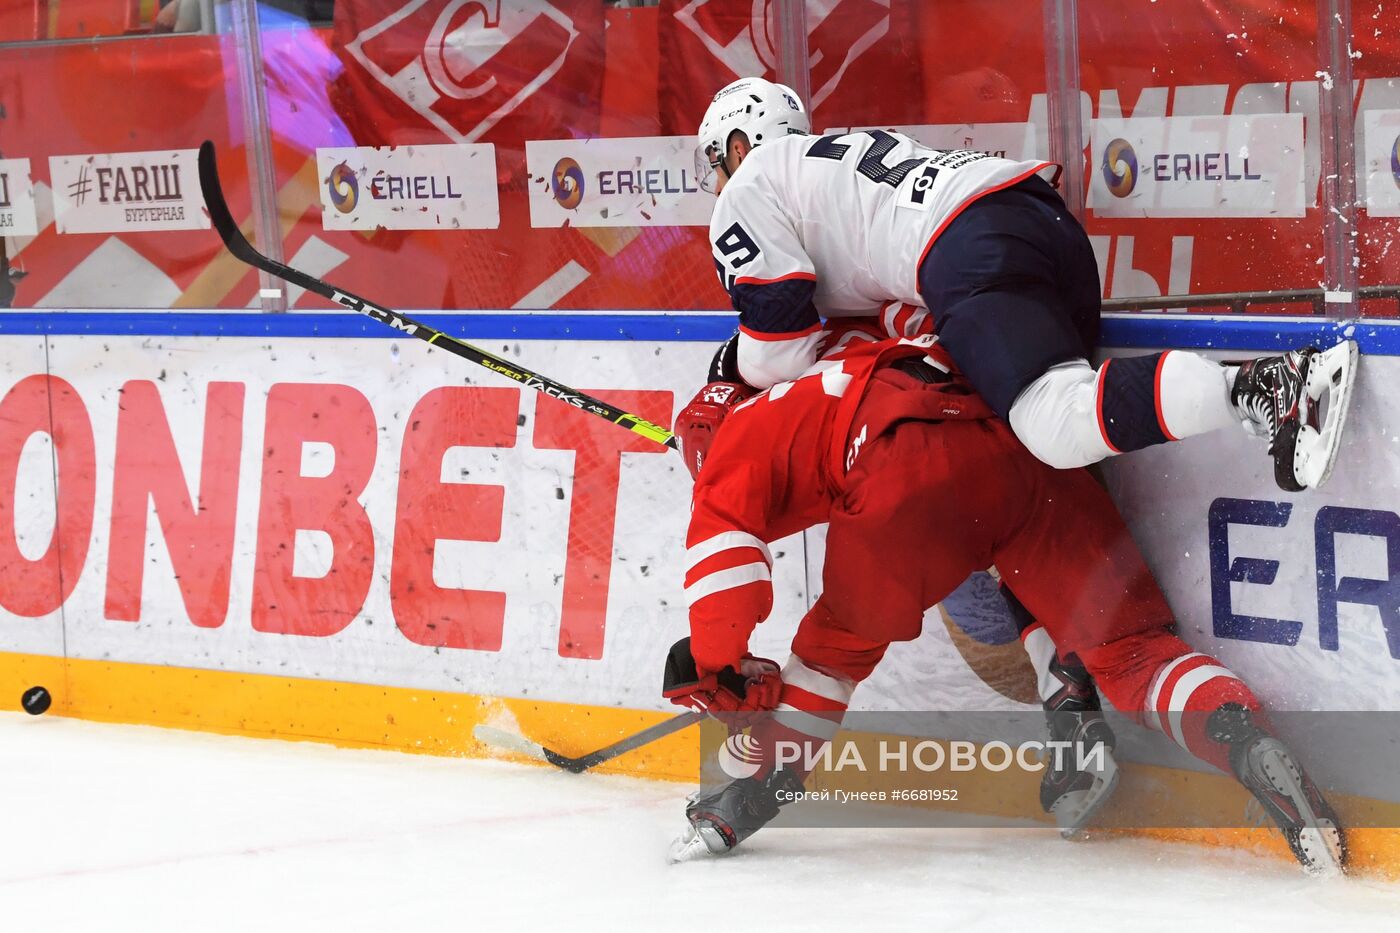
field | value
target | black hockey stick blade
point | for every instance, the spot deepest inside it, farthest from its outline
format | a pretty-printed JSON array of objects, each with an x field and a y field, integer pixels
[
  {"x": 510, "y": 741},
  {"x": 238, "y": 245}
]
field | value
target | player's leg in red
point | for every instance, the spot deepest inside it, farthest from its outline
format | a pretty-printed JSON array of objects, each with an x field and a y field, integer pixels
[
  {"x": 1075, "y": 567},
  {"x": 910, "y": 527},
  {"x": 827, "y": 663},
  {"x": 1073, "y": 787}
]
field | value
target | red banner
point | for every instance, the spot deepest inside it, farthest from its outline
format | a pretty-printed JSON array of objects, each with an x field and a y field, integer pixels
[
  {"x": 506, "y": 71},
  {"x": 860, "y": 51},
  {"x": 467, "y": 71}
]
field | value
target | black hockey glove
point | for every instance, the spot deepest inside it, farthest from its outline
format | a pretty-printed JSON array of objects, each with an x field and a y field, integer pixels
[
  {"x": 725, "y": 366},
  {"x": 724, "y": 691}
]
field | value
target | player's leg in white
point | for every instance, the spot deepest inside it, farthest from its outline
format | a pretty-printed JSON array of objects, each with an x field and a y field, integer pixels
[{"x": 1074, "y": 415}]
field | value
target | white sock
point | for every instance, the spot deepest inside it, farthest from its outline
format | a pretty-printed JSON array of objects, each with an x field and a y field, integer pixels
[
  {"x": 1040, "y": 647},
  {"x": 1195, "y": 394}
]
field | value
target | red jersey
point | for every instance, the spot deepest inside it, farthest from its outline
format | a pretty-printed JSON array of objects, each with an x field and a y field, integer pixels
[{"x": 778, "y": 464}]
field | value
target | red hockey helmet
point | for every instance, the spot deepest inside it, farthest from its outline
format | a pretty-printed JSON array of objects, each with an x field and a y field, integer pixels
[{"x": 699, "y": 421}]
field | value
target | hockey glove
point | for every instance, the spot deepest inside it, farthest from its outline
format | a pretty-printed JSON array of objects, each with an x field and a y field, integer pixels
[
  {"x": 724, "y": 367},
  {"x": 754, "y": 688},
  {"x": 699, "y": 422}
]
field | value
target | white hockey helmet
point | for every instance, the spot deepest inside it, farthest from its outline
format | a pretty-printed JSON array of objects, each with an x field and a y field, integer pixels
[{"x": 762, "y": 109}]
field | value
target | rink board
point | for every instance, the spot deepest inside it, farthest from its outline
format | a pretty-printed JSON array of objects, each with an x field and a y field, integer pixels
[{"x": 385, "y": 529}]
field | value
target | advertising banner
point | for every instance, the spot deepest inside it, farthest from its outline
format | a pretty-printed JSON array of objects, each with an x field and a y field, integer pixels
[
  {"x": 437, "y": 72},
  {"x": 639, "y": 182},
  {"x": 1220, "y": 166},
  {"x": 127, "y": 192},
  {"x": 1015, "y": 141},
  {"x": 357, "y": 510},
  {"x": 351, "y": 510},
  {"x": 1299, "y": 593},
  {"x": 17, "y": 214},
  {"x": 1379, "y": 162},
  {"x": 440, "y": 63},
  {"x": 409, "y": 188}
]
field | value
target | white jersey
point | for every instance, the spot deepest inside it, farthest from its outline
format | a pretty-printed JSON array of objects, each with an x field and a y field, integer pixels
[{"x": 835, "y": 226}]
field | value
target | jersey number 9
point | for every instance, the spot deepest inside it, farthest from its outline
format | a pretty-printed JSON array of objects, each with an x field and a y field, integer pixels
[{"x": 738, "y": 249}]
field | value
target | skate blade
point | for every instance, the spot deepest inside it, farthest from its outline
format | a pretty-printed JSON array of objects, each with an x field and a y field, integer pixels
[
  {"x": 694, "y": 844},
  {"x": 1073, "y": 811},
  {"x": 1331, "y": 373},
  {"x": 1319, "y": 847}
]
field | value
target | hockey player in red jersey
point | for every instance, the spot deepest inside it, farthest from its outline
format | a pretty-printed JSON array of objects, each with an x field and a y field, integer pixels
[
  {"x": 921, "y": 486},
  {"x": 807, "y": 228}
]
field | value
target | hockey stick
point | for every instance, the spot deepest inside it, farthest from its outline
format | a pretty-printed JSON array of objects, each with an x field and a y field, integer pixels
[
  {"x": 510, "y": 741},
  {"x": 240, "y": 247}
]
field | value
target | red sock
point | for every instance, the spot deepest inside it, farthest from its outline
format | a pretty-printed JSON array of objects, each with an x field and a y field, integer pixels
[
  {"x": 1183, "y": 694},
  {"x": 808, "y": 716}
]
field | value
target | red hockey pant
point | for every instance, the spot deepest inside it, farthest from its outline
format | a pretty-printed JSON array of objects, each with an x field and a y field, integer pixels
[{"x": 929, "y": 503}]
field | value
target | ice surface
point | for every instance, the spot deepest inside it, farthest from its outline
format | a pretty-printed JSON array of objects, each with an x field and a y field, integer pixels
[{"x": 127, "y": 828}]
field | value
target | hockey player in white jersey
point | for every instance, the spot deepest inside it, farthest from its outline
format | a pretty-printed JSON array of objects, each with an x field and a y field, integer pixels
[{"x": 810, "y": 227}]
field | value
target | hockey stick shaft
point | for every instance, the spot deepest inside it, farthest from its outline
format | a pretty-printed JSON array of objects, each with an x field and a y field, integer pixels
[
  {"x": 512, "y": 742},
  {"x": 239, "y": 246}
]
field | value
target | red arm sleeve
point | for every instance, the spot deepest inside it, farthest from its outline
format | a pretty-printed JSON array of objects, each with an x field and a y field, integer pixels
[{"x": 728, "y": 578}]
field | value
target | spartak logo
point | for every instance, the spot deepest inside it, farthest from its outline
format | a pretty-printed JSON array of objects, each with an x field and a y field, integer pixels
[
  {"x": 753, "y": 51},
  {"x": 444, "y": 58}
]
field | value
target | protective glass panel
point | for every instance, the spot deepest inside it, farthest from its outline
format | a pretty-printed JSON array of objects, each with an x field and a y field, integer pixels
[
  {"x": 509, "y": 154},
  {"x": 1376, "y": 73},
  {"x": 102, "y": 105},
  {"x": 1203, "y": 169}
]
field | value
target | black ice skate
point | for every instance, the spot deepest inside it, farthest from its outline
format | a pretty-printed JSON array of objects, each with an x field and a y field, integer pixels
[
  {"x": 722, "y": 818},
  {"x": 1076, "y": 783},
  {"x": 1265, "y": 766},
  {"x": 1279, "y": 397}
]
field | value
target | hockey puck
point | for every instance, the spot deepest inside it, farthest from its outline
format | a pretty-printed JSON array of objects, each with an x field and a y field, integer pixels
[{"x": 35, "y": 701}]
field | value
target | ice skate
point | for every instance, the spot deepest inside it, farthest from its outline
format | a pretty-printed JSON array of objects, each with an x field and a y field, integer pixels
[
  {"x": 1265, "y": 766},
  {"x": 1076, "y": 783},
  {"x": 1280, "y": 398},
  {"x": 722, "y": 818}
]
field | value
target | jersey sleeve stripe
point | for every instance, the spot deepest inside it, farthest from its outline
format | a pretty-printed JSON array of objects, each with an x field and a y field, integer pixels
[
  {"x": 729, "y": 579},
  {"x": 804, "y": 678},
  {"x": 963, "y": 206},
  {"x": 889, "y": 318},
  {"x": 805, "y": 723},
  {"x": 769, "y": 338},
  {"x": 723, "y": 542},
  {"x": 755, "y": 280},
  {"x": 801, "y": 699}
]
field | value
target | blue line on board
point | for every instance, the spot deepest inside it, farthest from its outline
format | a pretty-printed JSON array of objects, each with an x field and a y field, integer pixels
[
  {"x": 1202, "y": 332},
  {"x": 1132, "y": 331},
  {"x": 712, "y": 327}
]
